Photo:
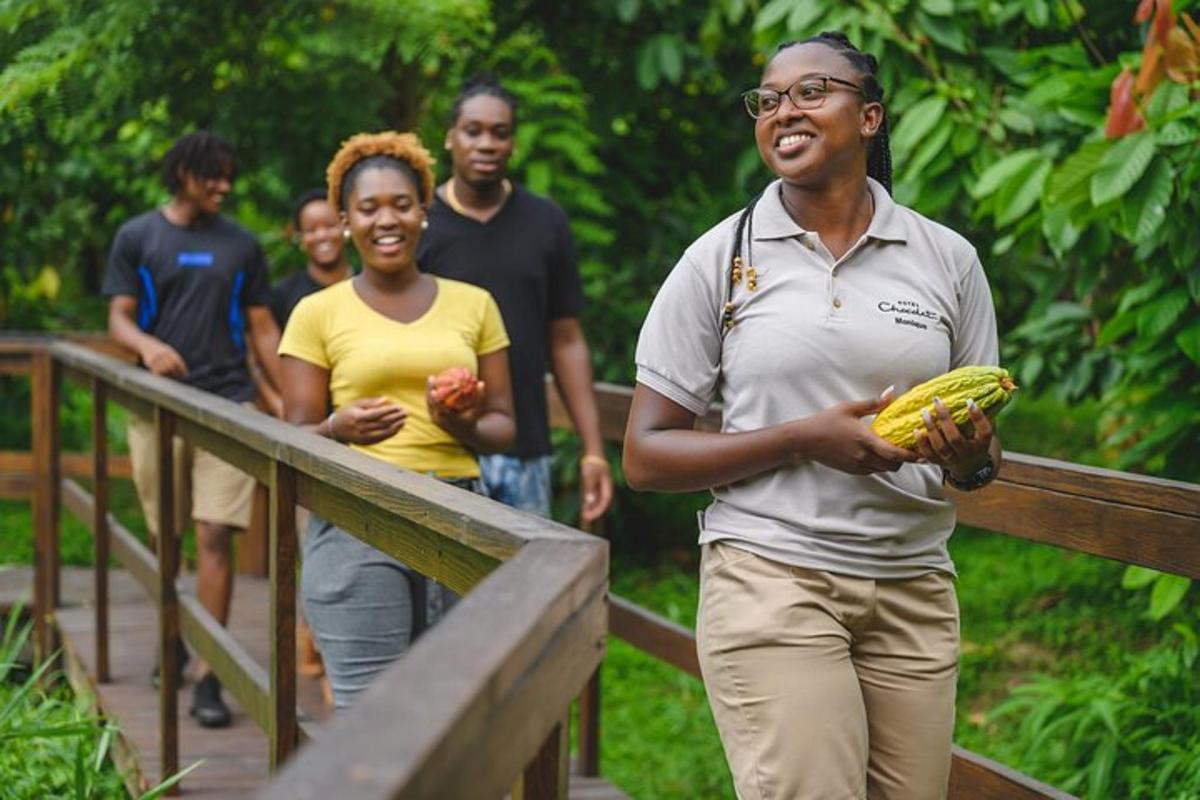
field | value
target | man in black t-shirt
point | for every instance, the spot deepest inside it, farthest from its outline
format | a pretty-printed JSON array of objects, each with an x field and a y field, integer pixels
[
  {"x": 189, "y": 295},
  {"x": 518, "y": 246}
]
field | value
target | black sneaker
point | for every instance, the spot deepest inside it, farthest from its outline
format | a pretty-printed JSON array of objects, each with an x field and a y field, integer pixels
[
  {"x": 181, "y": 659},
  {"x": 207, "y": 706}
]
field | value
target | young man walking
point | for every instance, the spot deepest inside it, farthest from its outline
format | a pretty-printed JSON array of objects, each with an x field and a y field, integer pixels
[
  {"x": 485, "y": 230},
  {"x": 188, "y": 293}
]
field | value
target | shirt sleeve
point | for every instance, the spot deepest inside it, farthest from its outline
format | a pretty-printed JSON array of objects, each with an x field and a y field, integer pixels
[
  {"x": 679, "y": 348},
  {"x": 257, "y": 291},
  {"x": 566, "y": 287},
  {"x": 975, "y": 339},
  {"x": 304, "y": 336},
  {"x": 120, "y": 275},
  {"x": 492, "y": 334}
]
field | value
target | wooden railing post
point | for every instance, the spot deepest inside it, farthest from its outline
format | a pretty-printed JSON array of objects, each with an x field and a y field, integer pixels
[
  {"x": 282, "y": 733},
  {"x": 588, "y": 764},
  {"x": 44, "y": 403},
  {"x": 546, "y": 777},
  {"x": 168, "y": 609},
  {"x": 100, "y": 522}
]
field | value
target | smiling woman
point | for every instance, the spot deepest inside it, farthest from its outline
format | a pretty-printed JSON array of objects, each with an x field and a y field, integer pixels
[
  {"x": 827, "y": 628},
  {"x": 372, "y": 345}
]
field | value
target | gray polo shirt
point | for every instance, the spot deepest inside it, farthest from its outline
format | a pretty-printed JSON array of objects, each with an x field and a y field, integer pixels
[{"x": 907, "y": 302}]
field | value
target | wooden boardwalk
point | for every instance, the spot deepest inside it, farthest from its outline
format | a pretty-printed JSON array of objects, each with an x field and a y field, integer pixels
[{"x": 234, "y": 758}]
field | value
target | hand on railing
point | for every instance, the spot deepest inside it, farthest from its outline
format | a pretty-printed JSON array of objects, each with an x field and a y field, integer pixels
[
  {"x": 365, "y": 421},
  {"x": 162, "y": 359}
]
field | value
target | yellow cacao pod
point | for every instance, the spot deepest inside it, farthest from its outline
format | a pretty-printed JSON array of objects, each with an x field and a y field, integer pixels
[{"x": 990, "y": 387}]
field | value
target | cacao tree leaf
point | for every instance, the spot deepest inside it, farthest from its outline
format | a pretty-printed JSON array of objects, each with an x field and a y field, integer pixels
[
  {"x": 1121, "y": 167},
  {"x": 945, "y": 31},
  {"x": 1188, "y": 340},
  {"x": 803, "y": 16},
  {"x": 1168, "y": 592},
  {"x": 1021, "y": 192},
  {"x": 670, "y": 57},
  {"x": 940, "y": 8},
  {"x": 647, "y": 66},
  {"x": 1115, "y": 328},
  {"x": 1135, "y": 577},
  {"x": 1069, "y": 183},
  {"x": 1157, "y": 317},
  {"x": 627, "y": 10},
  {"x": 772, "y": 14},
  {"x": 1147, "y": 204},
  {"x": 917, "y": 121},
  {"x": 998, "y": 173},
  {"x": 1176, "y": 133}
]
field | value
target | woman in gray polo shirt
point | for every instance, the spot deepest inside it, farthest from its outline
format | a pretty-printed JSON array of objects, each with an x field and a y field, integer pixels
[{"x": 828, "y": 623}]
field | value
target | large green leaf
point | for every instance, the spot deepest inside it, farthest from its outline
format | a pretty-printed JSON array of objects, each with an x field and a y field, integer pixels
[
  {"x": 918, "y": 120},
  {"x": 1147, "y": 204},
  {"x": 1021, "y": 192},
  {"x": 1121, "y": 167},
  {"x": 1000, "y": 172},
  {"x": 1069, "y": 183},
  {"x": 1157, "y": 317},
  {"x": 1188, "y": 340},
  {"x": 1168, "y": 592}
]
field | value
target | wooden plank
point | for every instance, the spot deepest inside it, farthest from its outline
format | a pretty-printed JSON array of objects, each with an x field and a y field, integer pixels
[
  {"x": 74, "y": 465},
  {"x": 124, "y": 754},
  {"x": 44, "y": 416},
  {"x": 253, "y": 544},
  {"x": 244, "y": 677},
  {"x": 973, "y": 777},
  {"x": 135, "y": 405},
  {"x": 1127, "y": 488},
  {"x": 588, "y": 763},
  {"x": 126, "y": 548},
  {"x": 546, "y": 777},
  {"x": 227, "y": 447},
  {"x": 655, "y": 635},
  {"x": 100, "y": 540},
  {"x": 281, "y": 729},
  {"x": 16, "y": 487},
  {"x": 168, "y": 597},
  {"x": 523, "y": 644},
  {"x": 1134, "y": 535}
]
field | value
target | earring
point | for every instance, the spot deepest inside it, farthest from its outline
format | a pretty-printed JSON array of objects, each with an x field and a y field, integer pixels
[
  {"x": 424, "y": 224},
  {"x": 345, "y": 233}
]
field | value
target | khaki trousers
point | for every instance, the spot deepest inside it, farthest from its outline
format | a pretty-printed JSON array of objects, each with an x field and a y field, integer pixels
[{"x": 825, "y": 686}]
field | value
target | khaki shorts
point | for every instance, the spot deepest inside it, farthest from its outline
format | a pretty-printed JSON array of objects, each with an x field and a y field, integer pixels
[
  {"x": 824, "y": 686},
  {"x": 207, "y": 489}
]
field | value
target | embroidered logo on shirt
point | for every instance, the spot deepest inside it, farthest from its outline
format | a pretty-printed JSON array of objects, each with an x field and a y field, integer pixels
[
  {"x": 194, "y": 258},
  {"x": 909, "y": 312}
]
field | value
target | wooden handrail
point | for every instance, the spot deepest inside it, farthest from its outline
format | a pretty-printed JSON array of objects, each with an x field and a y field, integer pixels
[{"x": 495, "y": 678}]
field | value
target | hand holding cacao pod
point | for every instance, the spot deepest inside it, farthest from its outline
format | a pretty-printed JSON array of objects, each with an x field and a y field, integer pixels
[
  {"x": 990, "y": 387},
  {"x": 455, "y": 389}
]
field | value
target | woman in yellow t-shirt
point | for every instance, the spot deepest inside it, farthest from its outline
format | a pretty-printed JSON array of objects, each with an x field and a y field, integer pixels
[{"x": 371, "y": 345}]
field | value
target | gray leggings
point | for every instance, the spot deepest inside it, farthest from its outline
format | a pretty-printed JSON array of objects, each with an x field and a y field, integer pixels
[{"x": 364, "y": 607}]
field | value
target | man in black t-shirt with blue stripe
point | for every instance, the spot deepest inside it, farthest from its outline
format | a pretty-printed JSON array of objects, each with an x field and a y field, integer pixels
[{"x": 189, "y": 295}]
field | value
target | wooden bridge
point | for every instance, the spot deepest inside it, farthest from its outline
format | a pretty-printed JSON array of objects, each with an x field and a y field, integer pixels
[{"x": 479, "y": 707}]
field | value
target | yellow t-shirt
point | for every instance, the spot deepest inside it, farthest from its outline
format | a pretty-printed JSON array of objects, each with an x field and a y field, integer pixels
[{"x": 370, "y": 355}]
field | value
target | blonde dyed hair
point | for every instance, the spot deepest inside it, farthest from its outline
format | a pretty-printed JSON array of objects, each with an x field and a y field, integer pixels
[{"x": 404, "y": 147}]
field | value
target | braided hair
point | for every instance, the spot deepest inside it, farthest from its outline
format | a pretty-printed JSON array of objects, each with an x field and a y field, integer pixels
[
  {"x": 201, "y": 154},
  {"x": 484, "y": 83},
  {"x": 879, "y": 158}
]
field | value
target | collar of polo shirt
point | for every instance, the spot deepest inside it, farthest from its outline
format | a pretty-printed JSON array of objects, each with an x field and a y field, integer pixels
[{"x": 772, "y": 221}]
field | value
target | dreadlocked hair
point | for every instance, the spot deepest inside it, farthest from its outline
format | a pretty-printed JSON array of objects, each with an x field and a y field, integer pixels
[
  {"x": 879, "y": 154},
  {"x": 385, "y": 150},
  {"x": 484, "y": 83},
  {"x": 201, "y": 154}
]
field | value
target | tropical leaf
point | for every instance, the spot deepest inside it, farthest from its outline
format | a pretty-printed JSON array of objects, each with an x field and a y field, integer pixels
[{"x": 1121, "y": 167}]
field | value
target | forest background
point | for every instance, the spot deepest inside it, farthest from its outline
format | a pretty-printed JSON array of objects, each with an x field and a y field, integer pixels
[{"x": 1062, "y": 137}]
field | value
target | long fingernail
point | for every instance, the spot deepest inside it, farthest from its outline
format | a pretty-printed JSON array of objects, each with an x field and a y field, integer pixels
[
  {"x": 972, "y": 405},
  {"x": 887, "y": 392},
  {"x": 925, "y": 415}
]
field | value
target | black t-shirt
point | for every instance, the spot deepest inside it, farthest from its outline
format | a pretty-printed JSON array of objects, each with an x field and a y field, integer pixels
[
  {"x": 193, "y": 286},
  {"x": 525, "y": 257},
  {"x": 289, "y": 291}
]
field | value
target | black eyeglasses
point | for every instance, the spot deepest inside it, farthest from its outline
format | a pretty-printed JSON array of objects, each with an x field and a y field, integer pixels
[{"x": 805, "y": 94}]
